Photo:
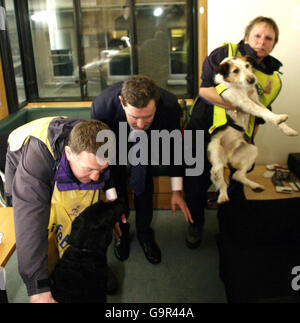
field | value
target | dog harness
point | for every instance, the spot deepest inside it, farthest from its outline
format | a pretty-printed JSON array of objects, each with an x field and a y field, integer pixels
[
  {"x": 268, "y": 88},
  {"x": 69, "y": 196}
]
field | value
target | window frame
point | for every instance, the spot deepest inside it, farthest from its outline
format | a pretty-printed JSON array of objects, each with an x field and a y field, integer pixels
[
  {"x": 196, "y": 28},
  {"x": 8, "y": 71}
]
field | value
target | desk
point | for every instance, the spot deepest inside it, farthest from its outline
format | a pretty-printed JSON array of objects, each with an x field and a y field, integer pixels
[
  {"x": 8, "y": 245},
  {"x": 269, "y": 193},
  {"x": 259, "y": 242}
]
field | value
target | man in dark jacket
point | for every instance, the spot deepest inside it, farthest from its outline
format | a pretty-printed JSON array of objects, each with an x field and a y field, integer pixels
[{"x": 140, "y": 104}]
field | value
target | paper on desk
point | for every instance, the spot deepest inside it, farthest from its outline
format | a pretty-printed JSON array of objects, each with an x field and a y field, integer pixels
[{"x": 268, "y": 173}]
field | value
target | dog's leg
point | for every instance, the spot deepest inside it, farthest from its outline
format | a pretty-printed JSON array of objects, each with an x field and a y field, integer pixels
[
  {"x": 242, "y": 101},
  {"x": 282, "y": 126},
  {"x": 217, "y": 177},
  {"x": 218, "y": 160},
  {"x": 242, "y": 160},
  {"x": 240, "y": 176},
  {"x": 261, "y": 111},
  {"x": 287, "y": 130}
]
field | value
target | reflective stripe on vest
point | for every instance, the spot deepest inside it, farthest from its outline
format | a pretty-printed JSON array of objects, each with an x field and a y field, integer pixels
[{"x": 219, "y": 117}]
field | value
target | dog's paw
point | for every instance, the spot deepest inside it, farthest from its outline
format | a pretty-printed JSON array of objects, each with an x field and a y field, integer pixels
[
  {"x": 287, "y": 130},
  {"x": 281, "y": 118},
  {"x": 258, "y": 189},
  {"x": 223, "y": 198}
]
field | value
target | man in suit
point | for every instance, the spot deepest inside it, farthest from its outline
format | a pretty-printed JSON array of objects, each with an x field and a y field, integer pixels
[{"x": 144, "y": 106}]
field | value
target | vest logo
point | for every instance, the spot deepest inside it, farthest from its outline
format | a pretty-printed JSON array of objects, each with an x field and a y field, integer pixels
[
  {"x": 76, "y": 210},
  {"x": 269, "y": 86},
  {"x": 61, "y": 239}
]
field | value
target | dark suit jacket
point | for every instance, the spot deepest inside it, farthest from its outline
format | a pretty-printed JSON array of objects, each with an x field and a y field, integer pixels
[{"x": 107, "y": 108}]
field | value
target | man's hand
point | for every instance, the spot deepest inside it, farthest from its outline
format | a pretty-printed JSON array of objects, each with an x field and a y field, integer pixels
[
  {"x": 45, "y": 297},
  {"x": 178, "y": 201},
  {"x": 117, "y": 230}
]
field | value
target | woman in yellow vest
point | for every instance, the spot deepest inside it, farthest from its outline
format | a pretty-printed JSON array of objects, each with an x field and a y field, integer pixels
[
  {"x": 52, "y": 173},
  {"x": 261, "y": 36}
]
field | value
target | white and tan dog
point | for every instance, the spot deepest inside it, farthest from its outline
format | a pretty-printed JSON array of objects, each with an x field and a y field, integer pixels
[{"x": 229, "y": 146}]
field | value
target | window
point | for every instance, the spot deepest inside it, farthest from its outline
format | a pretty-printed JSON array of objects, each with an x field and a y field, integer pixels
[
  {"x": 107, "y": 47},
  {"x": 62, "y": 62},
  {"x": 80, "y": 47},
  {"x": 15, "y": 50},
  {"x": 55, "y": 45},
  {"x": 178, "y": 55}
]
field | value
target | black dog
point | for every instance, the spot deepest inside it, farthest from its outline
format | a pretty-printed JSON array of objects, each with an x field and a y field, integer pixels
[{"x": 80, "y": 276}]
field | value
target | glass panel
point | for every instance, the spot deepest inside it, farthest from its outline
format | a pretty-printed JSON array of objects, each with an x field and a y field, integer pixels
[
  {"x": 106, "y": 43},
  {"x": 15, "y": 49},
  {"x": 55, "y": 47},
  {"x": 162, "y": 43}
]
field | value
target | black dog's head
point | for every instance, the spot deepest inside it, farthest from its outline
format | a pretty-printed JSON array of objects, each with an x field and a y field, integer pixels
[{"x": 92, "y": 229}]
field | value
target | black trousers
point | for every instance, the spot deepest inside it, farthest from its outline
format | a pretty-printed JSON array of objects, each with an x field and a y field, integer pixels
[
  {"x": 196, "y": 187},
  {"x": 142, "y": 203}
]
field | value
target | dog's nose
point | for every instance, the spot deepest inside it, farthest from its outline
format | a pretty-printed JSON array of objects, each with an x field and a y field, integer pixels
[{"x": 251, "y": 80}]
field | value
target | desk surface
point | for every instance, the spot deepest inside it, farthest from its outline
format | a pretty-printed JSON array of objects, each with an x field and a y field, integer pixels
[
  {"x": 8, "y": 245},
  {"x": 269, "y": 193}
]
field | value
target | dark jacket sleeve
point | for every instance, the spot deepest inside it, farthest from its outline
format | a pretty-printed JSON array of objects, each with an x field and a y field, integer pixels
[
  {"x": 210, "y": 63},
  {"x": 107, "y": 107},
  {"x": 100, "y": 110},
  {"x": 176, "y": 170},
  {"x": 32, "y": 189},
  {"x": 110, "y": 183},
  {"x": 168, "y": 118}
]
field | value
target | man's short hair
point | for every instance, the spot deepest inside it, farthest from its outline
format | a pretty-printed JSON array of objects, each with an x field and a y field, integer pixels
[
  {"x": 138, "y": 90},
  {"x": 83, "y": 136}
]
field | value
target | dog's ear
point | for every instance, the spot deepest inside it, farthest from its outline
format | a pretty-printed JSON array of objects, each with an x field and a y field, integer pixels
[
  {"x": 250, "y": 59},
  {"x": 223, "y": 69}
]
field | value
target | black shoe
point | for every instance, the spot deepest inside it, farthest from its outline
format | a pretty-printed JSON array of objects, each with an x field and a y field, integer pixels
[
  {"x": 121, "y": 248},
  {"x": 152, "y": 251},
  {"x": 112, "y": 282},
  {"x": 193, "y": 236}
]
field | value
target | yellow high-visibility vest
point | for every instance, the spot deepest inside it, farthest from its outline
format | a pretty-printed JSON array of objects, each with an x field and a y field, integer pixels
[{"x": 65, "y": 205}]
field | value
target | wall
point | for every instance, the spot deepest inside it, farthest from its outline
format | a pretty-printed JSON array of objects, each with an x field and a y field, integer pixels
[{"x": 226, "y": 22}]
